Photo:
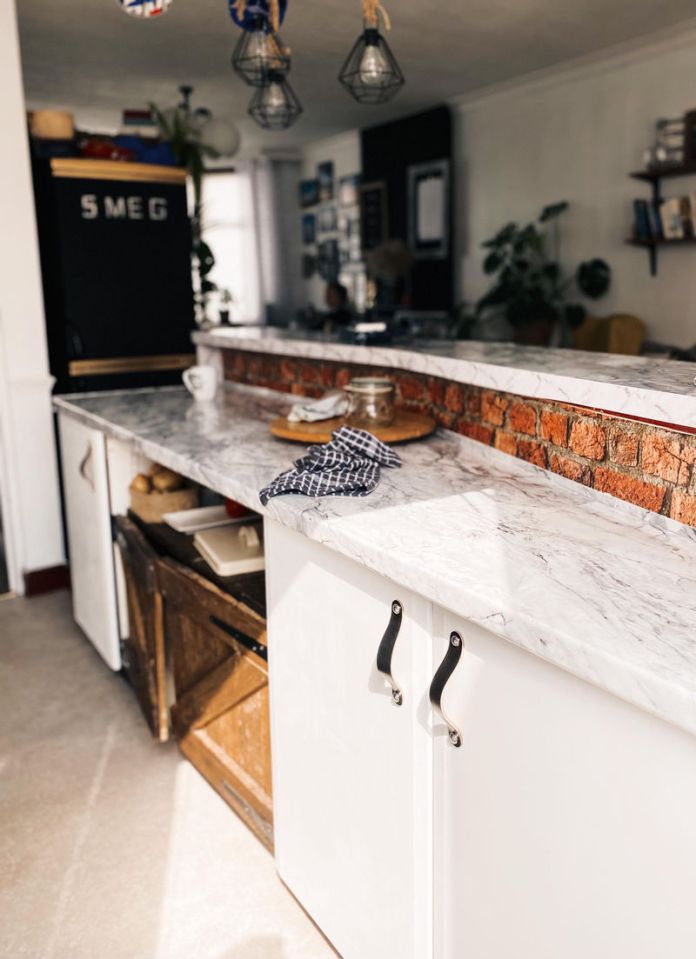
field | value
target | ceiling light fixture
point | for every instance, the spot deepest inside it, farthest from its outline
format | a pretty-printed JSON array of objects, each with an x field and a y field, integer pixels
[
  {"x": 371, "y": 73},
  {"x": 260, "y": 51},
  {"x": 144, "y": 8},
  {"x": 275, "y": 105}
]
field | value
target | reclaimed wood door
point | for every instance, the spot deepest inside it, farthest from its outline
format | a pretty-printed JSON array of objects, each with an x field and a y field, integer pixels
[
  {"x": 144, "y": 657},
  {"x": 221, "y": 715}
]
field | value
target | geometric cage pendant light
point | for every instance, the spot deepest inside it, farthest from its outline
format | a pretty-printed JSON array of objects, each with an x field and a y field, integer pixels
[
  {"x": 260, "y": 51},
  {"x": 371, "y": 73}
]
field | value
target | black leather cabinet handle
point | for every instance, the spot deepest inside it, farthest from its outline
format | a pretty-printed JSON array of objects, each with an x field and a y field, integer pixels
[
  {"x": 386, "y": 649},
  {"x": 440, "y": 679}
]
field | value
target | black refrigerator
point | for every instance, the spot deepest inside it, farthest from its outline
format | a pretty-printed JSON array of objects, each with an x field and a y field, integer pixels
[{"x": 115, "y": 243}]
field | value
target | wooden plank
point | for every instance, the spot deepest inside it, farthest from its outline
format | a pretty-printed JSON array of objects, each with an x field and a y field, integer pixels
[
  {"x": 80, "y": 168},
  {"x": 222, "y": 689},
  {"x": 228, "y": 779}
]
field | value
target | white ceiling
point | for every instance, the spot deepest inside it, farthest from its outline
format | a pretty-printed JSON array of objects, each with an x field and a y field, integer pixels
[{"x": 88, "y": 56}]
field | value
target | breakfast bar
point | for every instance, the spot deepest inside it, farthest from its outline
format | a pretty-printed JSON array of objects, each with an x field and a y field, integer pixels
[{"x": 482, "y": 677}]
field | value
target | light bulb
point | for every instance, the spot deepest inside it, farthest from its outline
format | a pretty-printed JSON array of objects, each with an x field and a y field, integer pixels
[
  {"x": 274, "y": 98},
  {"x": 374, "y": 69}
]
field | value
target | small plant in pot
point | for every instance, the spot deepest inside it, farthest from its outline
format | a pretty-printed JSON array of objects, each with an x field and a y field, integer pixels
[{"x": 530, "y": 291}]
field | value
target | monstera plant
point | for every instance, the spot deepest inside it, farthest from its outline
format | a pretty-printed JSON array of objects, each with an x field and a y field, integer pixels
[{"x": 530, "y": 289}]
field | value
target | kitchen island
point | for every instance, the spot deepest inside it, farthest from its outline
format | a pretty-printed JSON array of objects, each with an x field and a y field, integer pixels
[{"x": 536, "y": 798}]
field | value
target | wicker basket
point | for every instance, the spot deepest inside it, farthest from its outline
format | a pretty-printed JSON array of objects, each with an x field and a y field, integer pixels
[{"x": 150, "y": 507}]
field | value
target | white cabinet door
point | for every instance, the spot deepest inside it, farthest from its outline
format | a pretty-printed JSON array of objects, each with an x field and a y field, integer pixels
[
  {"x": 88, "y": 517},
  {"x": 352, "y": 772},
  {"x": 564, "y": 824}
]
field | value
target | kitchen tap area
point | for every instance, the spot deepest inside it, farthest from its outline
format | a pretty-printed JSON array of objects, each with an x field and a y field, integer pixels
[{"x": 348, "y": 482}]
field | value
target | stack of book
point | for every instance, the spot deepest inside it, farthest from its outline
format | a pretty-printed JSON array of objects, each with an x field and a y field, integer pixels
[{"x": 672, "y": 219}]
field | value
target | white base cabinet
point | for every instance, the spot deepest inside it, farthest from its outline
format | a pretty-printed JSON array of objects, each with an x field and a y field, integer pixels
[
  {"x": 352, "y": 771},
  {"x": 563, "y": 827},
  {"x": 88, "y": 520}
]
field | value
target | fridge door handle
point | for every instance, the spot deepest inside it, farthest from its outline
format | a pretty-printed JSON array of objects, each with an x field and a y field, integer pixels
[
  {"x": 440, "y": 679},
  {"x": 386, "y": 649}
]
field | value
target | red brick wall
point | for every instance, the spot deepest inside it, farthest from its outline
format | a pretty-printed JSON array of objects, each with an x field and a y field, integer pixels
[{"x": 648, "y": 465}]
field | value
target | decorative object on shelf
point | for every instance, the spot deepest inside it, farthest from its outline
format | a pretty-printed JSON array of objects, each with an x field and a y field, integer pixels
[
  {"x": 663, "y": 221},
  {"x": 260, "y": 51},
  {"x": 275, "y": 105},
  {"x": 429, "y": 210},
  {"x": 325, "y": 176},
  {"x": 669, "y": 146},
  {"x": 144, "y": 8},
  {"x": 371, "y": 73},
  {"x": 309, "y": 266},
  {"x": 185, "y": 131},
  {"x": 530, "y": 292}
]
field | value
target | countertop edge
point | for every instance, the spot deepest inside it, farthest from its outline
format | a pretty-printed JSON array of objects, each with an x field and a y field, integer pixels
[{"x": 670, "y": 408}]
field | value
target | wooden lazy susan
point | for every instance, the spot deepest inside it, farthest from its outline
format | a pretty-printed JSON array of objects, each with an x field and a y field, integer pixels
[{"x": 404, "y": 427}]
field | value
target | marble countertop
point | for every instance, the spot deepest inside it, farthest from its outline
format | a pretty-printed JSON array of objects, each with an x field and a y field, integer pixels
[
  {"x": 643, "y": 387},
  {"x": 602, "y": 589}
]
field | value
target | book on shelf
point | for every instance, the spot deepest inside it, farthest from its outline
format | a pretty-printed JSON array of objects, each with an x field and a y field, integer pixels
[
  {"x": 641, "y": 220},
  {"x": 655, "y": 221},
  {"x": 672, "y": 219}
]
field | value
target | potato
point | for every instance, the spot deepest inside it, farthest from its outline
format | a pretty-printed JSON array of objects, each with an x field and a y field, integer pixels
[
  {"x": 166, "y": 481},
  {"x": 141, "y": 484}
]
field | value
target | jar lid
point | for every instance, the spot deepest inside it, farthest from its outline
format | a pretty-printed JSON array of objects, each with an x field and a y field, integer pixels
[{"x": 370, "y": 384}]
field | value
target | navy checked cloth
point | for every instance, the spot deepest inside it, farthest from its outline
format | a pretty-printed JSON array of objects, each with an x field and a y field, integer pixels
[{"x": 347, "y": 466}]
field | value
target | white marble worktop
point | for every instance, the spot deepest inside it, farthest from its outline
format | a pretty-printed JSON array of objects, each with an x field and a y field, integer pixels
[
  {"x": 634, "y": 386},
  {"x": 602, "y": 589}
]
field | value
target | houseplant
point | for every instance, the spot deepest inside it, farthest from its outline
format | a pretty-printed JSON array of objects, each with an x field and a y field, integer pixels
[
  {"x": 180, "y": 128},
  {"x": 530, "y": 291}
]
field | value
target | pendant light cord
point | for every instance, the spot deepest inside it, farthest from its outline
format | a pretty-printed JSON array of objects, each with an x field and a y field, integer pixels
[
  {"x": 240, "y": 7},
  {"x": 373, "y": 11}
]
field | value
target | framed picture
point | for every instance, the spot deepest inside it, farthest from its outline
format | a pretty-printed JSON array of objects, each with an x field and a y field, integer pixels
[
  {"x": 328, "y": 264},
  {"x": 374, "y": 226},
  {"x": 309, "y": 228},
  {"x": 428, "y": 209},
  {"x": 328, "y": 219},
  {"x": 309, "y": 193},
  {"x": 325, "y": 175},
  {"x": 348, "y": 189}
]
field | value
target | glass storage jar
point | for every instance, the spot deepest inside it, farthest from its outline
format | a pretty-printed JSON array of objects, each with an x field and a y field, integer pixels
[{"x": 371, "y": 401}]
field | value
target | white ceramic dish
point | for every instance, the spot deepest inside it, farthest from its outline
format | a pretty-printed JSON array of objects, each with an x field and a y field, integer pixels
[{"x": 193, "y": 520}]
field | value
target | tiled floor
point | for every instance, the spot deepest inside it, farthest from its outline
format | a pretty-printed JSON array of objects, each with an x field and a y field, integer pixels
[{"x": 112, "y": 847}]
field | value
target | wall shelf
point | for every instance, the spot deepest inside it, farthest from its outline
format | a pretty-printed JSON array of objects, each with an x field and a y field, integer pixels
[{"x": 654, "y": 178}]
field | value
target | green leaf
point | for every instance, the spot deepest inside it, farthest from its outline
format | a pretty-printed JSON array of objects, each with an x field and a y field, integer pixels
[
  {"x": 594, "y": 278},
  {"x": 553, "y": 210},
  {"x": 492, "y": 262},
  {"x": 502, "y": 237}
]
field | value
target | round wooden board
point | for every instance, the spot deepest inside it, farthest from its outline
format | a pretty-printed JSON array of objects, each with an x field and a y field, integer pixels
[{"x": 405, "y": 426}]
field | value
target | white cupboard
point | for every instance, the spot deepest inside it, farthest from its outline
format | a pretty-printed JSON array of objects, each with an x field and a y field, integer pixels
[
  {"x": 88, "y": 520},
  {"x": 562, "y": 825},
  {"x": 352, "y": 771}
]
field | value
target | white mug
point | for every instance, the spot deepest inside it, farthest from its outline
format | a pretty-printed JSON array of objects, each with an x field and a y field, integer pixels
[{"x": 201, "y": 382}]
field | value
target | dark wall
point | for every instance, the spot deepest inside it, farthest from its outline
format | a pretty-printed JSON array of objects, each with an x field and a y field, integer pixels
[{"x": 387, "y": 153}]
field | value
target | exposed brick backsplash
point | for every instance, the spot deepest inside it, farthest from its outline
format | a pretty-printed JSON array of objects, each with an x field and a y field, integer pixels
[{"x": 647, "y": 465}]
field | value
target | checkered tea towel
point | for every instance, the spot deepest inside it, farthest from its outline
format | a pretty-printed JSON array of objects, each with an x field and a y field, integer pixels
[{"x": 347, "y": 466}]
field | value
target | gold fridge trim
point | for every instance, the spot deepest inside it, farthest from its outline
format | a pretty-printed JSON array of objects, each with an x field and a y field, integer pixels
[
  {"x": 85, "y": 169},
  {"x": 131, "y": 364}
]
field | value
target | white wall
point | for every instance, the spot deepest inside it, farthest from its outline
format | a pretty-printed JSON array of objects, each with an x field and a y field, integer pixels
[
  {"x": 344, "y": 150},
  {"x": 574, "y": 135},
  {"x": 28, "y": 471}
]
